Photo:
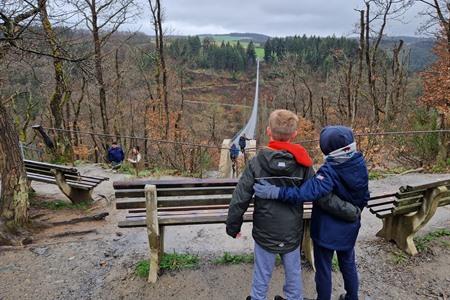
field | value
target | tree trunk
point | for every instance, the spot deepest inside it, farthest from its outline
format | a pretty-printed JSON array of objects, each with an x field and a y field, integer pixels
[
  {"x": 161, "y": 70},
  {"x": 98, "y": 61},
  {"x": 442, "y": 141},
  {"x": 348, "y": 92},
  {"x": 14, "y": 185},
  {"x": 164, "y": 71},
  {"x": 61, "y": 93},
  {"x": 360, "y": 67},
  {"x": 77, "y": 109}
]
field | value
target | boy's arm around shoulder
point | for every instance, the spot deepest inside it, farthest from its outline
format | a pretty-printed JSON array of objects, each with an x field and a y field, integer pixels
[
  {"x": 312, "y": 189},
  {"x": 240, "y": 201},
  {"x": 339, "y": 208}
]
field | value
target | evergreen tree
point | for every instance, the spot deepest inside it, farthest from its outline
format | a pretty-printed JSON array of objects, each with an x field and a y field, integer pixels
[
  {"x": 268, "y": 51},
  {"x": 251, "y": 54},
  {"x": 195, "y": 45}
]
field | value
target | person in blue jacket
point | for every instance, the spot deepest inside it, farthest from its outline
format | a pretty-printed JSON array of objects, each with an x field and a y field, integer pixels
[
  {"x": 115, "y": 155},
  {"x": 344, "y": 173}
]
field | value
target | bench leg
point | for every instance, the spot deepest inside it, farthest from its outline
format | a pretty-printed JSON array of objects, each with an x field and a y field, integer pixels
[
  {"x": 161, "y": 244},
  {"x": 307, "y": 244},
  {"x": 154, "y": 239},
  {"x": 75, "y": 195},
  {"x": 402, "y": 228}
]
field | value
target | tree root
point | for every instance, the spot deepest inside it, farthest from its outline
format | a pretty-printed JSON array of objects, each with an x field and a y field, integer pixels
[
  {"x": 73, "y": 233},
  {"x": 10, "y": 236},
  {"x": 97, "y": 217}
]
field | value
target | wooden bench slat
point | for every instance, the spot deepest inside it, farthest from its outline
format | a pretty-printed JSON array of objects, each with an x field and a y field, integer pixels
[
  {"x": 173, "y": 201},
  {"x": 165, "y": 192},
  {"x": 406, "y": 209},
  {"x": 182, "y": 220},
  {"x": 170, "y": 220},
  {"x": 387, "y": 210},
  {"x": 69, "y": 181},
  {"x": 381, "y": 196},
  {"x": 68, "y": 172},
  {"x": 79, "y": 178},
  {"x": 200, "y": 207},
  {"x": 53, "y": 181},
  {"x": 140, "y": 184},
  {"x": 306, "y": 214},
  {"x": 380, "y": 201},
  {"x": 47, "y": 169},
  {"x": 408, "y": 201},
  {"x": 409, "y": 188},
  {"x": 383, "y": 214},
  {"x": 410, "y": 194},
  {"x": 37, "y": 164},
  {"x": 182, "y": 208}
]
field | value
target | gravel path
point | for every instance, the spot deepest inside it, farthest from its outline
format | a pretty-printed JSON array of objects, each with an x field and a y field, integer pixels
[{"x": 100, "y": 265}]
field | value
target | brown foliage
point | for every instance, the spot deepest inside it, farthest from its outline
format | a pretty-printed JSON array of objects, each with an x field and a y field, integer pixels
[{"x": 436, "y": 79}]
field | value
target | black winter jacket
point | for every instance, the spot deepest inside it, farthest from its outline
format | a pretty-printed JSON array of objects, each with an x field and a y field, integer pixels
[{"x": 277, "y": 226}]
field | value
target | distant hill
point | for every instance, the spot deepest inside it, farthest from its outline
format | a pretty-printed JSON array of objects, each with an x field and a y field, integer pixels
[
  {"x": 420, "y": 48},
  {"x": 421, "y": 54}
]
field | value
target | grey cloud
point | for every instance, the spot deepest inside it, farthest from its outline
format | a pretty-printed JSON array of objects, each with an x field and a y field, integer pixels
[{"x": 275, "y": 18}]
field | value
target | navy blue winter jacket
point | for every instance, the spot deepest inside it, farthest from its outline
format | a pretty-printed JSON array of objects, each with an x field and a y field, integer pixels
[
  {"x": 115, "y": 154},
  {"x": 349, "y": 181}
]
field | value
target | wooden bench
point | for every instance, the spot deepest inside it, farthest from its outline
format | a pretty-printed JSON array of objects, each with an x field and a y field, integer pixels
[
  {"x": 187, "y": 202},
  {"x": 159, "y": 203},
  {"x": 405, "y": 212},
  {"x": 76, "y": 187}
]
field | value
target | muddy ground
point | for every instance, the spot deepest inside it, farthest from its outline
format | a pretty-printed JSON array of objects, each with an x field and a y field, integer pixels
[{"x": 100, "y": 264}]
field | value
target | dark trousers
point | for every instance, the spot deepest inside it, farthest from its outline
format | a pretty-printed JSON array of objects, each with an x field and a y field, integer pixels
[{"x": 347, "y": 266}]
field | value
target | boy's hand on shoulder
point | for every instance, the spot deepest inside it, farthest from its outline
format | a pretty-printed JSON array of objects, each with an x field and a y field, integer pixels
[{"x": 265, "y": 190}]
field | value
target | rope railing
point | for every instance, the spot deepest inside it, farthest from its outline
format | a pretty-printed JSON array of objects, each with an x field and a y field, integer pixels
[
  {"x": 133, "y": 137},
  {"x": 160, "y": 141}
]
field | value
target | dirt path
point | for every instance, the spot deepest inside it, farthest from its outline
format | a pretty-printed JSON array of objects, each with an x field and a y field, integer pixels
[{"x": 100, "y": 265}]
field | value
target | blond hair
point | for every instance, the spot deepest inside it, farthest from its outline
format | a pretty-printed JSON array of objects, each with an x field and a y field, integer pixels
[{"x": 282, "y": 123}]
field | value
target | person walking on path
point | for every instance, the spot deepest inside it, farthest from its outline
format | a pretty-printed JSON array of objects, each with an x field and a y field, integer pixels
[
  {"x": 135, "y": 159},
  {"x": 243, "y": 144},
  {"x": 234, "y": 154}
]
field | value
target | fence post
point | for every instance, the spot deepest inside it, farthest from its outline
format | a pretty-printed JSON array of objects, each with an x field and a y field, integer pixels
[{"x": 152, "y": 231}]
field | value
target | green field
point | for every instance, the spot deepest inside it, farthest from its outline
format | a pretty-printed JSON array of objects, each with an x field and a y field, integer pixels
[{"x": 233, "y": 40}]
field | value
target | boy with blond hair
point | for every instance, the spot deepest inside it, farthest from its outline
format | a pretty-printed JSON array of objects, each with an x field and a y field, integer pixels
[{"x": 277, "y": 226}]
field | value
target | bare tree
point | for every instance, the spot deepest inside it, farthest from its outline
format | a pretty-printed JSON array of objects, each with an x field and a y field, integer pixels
[
  {"x": 377, "y": 14},
  {"x": 161, "y": 71},
  {"x": 103, "y": 18},
  {"x": 62, "y": 93}
]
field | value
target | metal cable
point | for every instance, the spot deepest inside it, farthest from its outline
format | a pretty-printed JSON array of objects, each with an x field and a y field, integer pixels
[{"x": 414, "y": 132}]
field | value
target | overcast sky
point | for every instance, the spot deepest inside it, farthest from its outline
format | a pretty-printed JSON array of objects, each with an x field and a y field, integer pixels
[{"x": 271, "y": 17}]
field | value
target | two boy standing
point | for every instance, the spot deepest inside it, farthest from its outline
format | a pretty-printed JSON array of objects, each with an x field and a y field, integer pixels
[{"x": 281, "y": 178}]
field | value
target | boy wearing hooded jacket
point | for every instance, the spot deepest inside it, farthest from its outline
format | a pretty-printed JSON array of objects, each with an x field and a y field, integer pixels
[
  {"x": 344, "y": 173},
  {"x": 277, "y": 226}
]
